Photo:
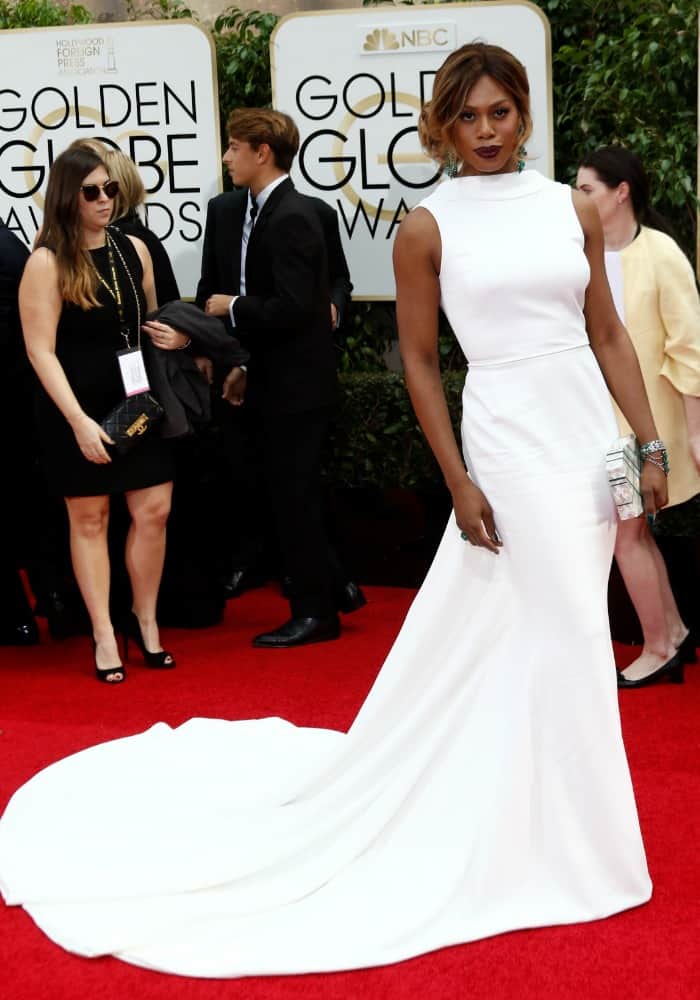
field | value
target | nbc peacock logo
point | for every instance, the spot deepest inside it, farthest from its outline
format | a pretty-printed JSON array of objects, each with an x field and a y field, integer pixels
[
  {"x": 381, "y": 40},
  {"x": 436, "y": 36}
]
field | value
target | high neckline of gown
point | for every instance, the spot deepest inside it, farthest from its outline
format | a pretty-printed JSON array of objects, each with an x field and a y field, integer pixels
[{"x": 500, "y": 186}]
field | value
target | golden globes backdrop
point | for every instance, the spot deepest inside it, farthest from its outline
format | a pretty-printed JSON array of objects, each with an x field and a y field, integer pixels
[
  {"x": 147, "y": 88},
  {"x": 354, "y": 81}
]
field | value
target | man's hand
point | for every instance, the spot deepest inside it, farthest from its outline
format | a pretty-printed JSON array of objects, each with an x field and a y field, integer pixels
[
  {"x": 334, "y": 316},
  {"x": 218, "y": 305},
  {"x": 234, "y": 387}
]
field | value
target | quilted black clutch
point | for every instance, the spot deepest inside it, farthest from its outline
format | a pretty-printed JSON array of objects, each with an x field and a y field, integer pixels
[{"x": 131, "y": 420}]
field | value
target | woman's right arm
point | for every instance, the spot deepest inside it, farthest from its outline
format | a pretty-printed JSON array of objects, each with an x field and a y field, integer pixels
[
  {"x": 40, "y": 307},
  {"x": 416, "y": 267}
]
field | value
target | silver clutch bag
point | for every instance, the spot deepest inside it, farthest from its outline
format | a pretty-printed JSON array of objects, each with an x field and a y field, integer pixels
[{"x": 624, "y": 467}]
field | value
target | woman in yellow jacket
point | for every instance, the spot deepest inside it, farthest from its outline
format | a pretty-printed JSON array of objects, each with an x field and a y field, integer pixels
[{"x": 657, "y": 297}]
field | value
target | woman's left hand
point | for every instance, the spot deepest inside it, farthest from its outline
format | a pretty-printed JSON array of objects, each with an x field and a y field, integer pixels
[
  {"x": 164, "y": 336},
  {"x": 654, "y": 489}
]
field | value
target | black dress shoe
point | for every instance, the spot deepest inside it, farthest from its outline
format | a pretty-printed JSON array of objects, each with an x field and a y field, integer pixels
[
  {"x": 671, "y": 670},
  {"x": 244, "y": 578},
  {"x": 22, "y": 634},
  {"x": 350, "y": 598},
  {"x": 300, "y": 632}
]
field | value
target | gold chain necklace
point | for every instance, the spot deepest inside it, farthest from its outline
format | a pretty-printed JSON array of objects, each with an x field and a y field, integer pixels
[{"x": 115, "y": 291}]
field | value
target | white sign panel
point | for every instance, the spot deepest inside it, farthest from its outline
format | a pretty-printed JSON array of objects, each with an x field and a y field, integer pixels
[
  {"x": 355, "y": 80},
  {"x": 147, "y": 88}
]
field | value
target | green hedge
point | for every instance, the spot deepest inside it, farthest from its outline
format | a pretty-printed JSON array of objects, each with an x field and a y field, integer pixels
[{"x": 376, "y": 439}]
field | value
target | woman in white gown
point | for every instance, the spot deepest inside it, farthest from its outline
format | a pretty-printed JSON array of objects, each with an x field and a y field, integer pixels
[{"x": 483, "y": 786}]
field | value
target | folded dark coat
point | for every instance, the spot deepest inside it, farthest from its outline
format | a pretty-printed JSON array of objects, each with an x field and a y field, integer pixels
[{"x": 176, "y": 381}]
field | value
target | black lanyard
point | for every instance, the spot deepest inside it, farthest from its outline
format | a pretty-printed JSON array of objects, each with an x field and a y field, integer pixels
[{"x": 115, "y": 291}]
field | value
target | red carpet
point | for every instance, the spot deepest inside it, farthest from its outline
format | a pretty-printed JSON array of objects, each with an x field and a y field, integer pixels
[{"x": 50, "y": 706}]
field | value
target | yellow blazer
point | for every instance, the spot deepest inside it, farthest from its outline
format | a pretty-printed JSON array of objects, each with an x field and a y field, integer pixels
[{"x": 662, "y": 315}]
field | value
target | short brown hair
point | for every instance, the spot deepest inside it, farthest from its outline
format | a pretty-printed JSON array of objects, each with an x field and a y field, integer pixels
[
  {"x": 453, "y": 81},
  {"x": 262, "y": 125}
]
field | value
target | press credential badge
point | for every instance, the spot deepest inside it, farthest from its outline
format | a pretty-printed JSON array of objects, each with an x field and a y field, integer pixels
[{"x": 133, "y": 371}]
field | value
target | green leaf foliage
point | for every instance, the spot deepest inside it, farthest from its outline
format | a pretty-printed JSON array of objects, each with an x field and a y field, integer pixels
[
  {"x": 376, "y": 440},
  {"x": 41, "y": 14},
  {"x": 159, "y": 10},
  {"x": 625, "y": 73},
  {"x": 242, "y": 40}
]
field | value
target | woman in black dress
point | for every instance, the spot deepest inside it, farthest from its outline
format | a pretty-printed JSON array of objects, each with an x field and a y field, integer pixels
[{"x": 84, "y": 292}]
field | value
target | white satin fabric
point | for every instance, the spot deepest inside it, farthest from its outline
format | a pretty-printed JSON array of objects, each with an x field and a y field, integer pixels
[{"x": 483, "y": 787}]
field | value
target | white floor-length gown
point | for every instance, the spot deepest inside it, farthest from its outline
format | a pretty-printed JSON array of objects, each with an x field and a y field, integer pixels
[{"x": 483, "y": 786}]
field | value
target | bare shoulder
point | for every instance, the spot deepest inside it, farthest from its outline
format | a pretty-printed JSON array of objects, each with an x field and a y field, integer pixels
[
  {"x": 41, "y": 265},
  {"x": 418, "y": 240},
  {"x": 418, "y": 227}
]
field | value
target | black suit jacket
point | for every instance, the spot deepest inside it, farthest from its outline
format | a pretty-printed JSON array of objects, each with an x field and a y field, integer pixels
[
  {"x": 338, "y": 271},
  {"x": 284, "y": 317},
  {"x": 13, "y": 257}
]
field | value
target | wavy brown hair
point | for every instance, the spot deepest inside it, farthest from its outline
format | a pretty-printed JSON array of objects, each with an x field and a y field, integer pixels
[
  {"x": 60, "y": 230},
  {"x": 453, "y": 81},
  {"x": 262, "y": 125}
]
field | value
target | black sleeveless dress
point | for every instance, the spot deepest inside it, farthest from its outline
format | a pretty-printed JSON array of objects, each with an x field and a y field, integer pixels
[{"x": 87, "y": 342}]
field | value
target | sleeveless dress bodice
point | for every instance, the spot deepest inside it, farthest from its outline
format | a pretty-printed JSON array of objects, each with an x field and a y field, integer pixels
[{"x": 510, "y": 291}]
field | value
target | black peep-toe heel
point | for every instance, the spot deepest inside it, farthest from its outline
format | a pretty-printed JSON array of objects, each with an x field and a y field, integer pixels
[
  {"x": 162, "y": 660},
  {"x": 104, "y": 674}
]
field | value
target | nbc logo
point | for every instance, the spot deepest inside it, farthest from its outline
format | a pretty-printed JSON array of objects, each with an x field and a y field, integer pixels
[
  {"x": 380, "y": 39},
  {"x": 426, "y": 37}
]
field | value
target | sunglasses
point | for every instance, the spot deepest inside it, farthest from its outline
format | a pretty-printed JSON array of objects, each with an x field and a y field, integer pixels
[{"x": 91, "y": 192}]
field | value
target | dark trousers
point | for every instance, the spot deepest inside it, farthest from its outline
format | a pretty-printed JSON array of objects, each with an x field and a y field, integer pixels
[
  {"x": 275, "y": 520},
  {"x": 246, "y": 526},
  {"x": 291, "y": 445}
]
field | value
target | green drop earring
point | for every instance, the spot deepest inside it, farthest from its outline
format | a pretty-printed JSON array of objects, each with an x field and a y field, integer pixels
[
  {"x": 450, "y": 165},
  {"x": 522, "y": 153}
]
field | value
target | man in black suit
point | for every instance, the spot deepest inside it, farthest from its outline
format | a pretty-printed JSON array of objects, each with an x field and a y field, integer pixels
[
  {"x": 264, "y": 270},
  {"x": 254, "y": 557}
]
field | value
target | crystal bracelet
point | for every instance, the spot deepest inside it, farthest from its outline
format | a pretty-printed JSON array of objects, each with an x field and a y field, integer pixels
[
  {"x": 660, "y": 463},
  {"x": 655, "y": 453},
  {"x": 651, "y": 446}
]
